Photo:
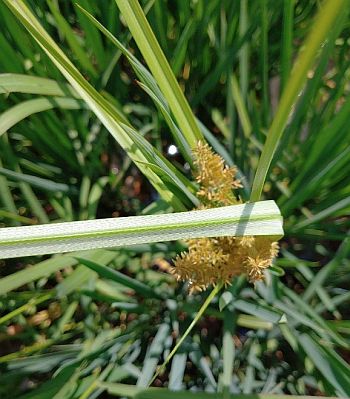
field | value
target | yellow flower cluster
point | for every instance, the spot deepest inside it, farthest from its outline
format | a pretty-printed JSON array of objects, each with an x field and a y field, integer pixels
[
  {"x": 217, "y": 181},
  {"x": 213, "y": 260}
]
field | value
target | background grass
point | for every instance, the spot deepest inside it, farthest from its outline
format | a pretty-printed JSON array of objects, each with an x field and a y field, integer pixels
[{"x": 68, "y": 327}]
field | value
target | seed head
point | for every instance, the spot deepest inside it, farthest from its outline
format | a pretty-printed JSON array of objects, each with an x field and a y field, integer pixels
[{"x": 213, "y": 260}]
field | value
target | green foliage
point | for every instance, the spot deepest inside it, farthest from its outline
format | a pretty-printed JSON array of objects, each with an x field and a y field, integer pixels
[{"x": 85, "y": 128}]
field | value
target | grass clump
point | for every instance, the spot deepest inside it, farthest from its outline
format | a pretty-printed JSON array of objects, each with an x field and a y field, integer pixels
[{"x": 92, "y": 99}]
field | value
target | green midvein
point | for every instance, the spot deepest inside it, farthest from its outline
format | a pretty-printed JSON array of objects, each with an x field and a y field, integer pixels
[{"x": 140, "y": 229}]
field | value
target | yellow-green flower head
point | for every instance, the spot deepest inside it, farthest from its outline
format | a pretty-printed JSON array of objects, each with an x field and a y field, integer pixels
[{"x": 213, "y": 260}]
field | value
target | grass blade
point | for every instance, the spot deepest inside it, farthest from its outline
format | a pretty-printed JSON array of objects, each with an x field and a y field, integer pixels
[
  {"x": 241, "y": 108},
  {"x": 153, "y": 354},
  {"x": 114, "y": 275},
  {"x": 20, "y": 111},
  {"x": 160, "y": 68},
  {"x": 17, "y": 83},
  {"x": 47, "y": 267},
  {"x": 72, "y": 41},
  {"x": 109, "y": 116},
  {"x": 35, "y": 181},
  {"x": 199, "y": 314},
  {"x": 244, "y": 51},
  {"x": 316, "y": 354},
  {"x": 261, "y": 218},
  {"x": 149, "y": 85},
  {"x": 323, "y": 24},
  {"x": 131, "y": 391},
  {"x": 287, "y": 41}
]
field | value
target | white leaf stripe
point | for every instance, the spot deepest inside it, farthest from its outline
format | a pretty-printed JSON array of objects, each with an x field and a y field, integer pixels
[{"x": 260, "y": 218}]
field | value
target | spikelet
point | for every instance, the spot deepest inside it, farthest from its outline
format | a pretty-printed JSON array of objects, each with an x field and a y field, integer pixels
[
  {"x": 213, "y": 260},
  {"x": 217, "y": 181}
]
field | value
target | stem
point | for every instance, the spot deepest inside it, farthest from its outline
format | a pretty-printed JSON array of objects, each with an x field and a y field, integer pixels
[
  {"x": 25, "y": 307},
  {"x": 206, "y": 303}
]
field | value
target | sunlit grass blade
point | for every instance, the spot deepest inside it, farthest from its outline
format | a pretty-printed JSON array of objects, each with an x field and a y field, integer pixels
[
  {"x": 261, "y": 218},
  {"x": 49, "y": 266},
  {"x": 342, "y": 205},
  {"x": 149, "y": 85},
  {"x": 35, "y": 181},
  {"x": 160, "y": 68},
  {"x": 25, "y": 307},
  {"x": 15, "y": 217},
  {"x": 113, "y": 315},
  {"x": 323, "y": 24},
  {"x": 18, "y": 83},
  {"x": 228, "y": 352},
  {"x": 243, "y": 113},
  {"x": 102, "y": 108},
  {"x": 21, "y": 111},
  {"x": 241, "y": 108}
]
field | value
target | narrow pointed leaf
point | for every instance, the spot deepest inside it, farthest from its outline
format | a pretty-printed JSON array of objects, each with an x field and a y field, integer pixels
[
  {"x": 328, "y": 14},
  {"x": 114, "y": 122},
  {"x": 160, "y": 68},
  {"x": 21, "y": 111},
  {"x": 18, "y": 83},
  {"x": 261, "y": 218}
]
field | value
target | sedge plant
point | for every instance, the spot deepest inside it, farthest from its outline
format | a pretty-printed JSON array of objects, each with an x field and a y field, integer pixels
[{"x": 248, "y": 229}]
